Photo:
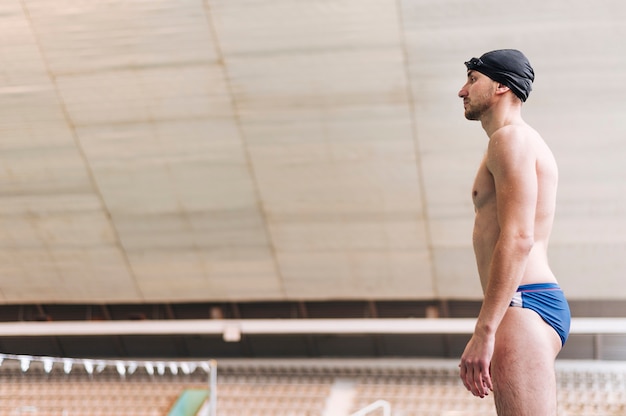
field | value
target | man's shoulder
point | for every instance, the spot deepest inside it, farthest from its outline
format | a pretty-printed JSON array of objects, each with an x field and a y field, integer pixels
[
  {"x": 515, "y": 137},
  {"x": 512, "y": 146},
  {"x": 519, "y": 131}
]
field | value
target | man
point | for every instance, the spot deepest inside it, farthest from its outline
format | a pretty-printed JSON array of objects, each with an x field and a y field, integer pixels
[{"x": 524, "y": 319}]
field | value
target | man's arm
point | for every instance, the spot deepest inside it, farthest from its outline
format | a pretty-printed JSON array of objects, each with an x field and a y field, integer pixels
[{"x": 511, "y": 161}]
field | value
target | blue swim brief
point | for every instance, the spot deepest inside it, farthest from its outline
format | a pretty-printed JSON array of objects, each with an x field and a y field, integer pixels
[{"x": 548, "y": 300}]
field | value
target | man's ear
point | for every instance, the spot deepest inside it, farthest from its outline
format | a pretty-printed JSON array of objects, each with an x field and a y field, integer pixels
[{"x": 501, "y": 88}]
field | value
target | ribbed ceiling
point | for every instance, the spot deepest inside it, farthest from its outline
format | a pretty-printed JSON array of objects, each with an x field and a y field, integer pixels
[{"x": 188, "y": 150}]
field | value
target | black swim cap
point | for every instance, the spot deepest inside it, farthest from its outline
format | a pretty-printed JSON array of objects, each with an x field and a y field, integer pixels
[{"x": 506, "y": 66}]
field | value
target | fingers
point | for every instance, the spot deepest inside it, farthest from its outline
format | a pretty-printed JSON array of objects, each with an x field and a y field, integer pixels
[
  {"x": 487, "y": 379},
  {"x": 476, "y": 382},
  {"x": 476, "y": 378},
  {"x": 482, "y": 379},
  {"x": 464, "y": 376}
]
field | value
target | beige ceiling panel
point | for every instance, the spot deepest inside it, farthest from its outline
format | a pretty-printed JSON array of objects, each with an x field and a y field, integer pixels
[
  {"x": 445, "y": 129},
  {"x": 597, "y": 228},
  {"x": 598, "y": 217},
  {"x": 20, "y": 134},
  {"x": 73, "y": 274},
  {"x": 184, "y": 204},
  {"x": 46, "y": 170},
  {"x": 349, "y": 274},
  {"x": 193, "y": 274},
  {"x": 335, "y": 190},
  {"x": 261, "y": 26},
  {"x": 244, "y": 271},
  {"x": 344, "y": 205},
  {"x": 61, "y": 247},
  {"x": 28, "y": 276},
  {"x": 47, "y": 231},
  {"x": 155, "y": 189},
  {"x": 242, "y": 286},
  {"x": 342, "y": 188},
  {"x": 211, "y": 230},
  {"x": 452, "y": 232},
  {"x": 214, "y": 141},
  {"x": 347, "y": 232},
  {"x": 96, "y": 274},
  {"x": 590, "y": 271},
  {"x": 11, "y": 9},
  {"x": 362, "y": 168},
  {"x": 138, "y": 190},
  {"x": 31, "y": 115},
  {"x": 177, "y": 273},
  {"x": 205, "y": 185},
  {"x": 170, "y": 167},
  {"x": 457, "y": 277},
  {"x": 317, "y": 85},
  {"x": 95, "y": 36},
  {"x": 146, "y": 95},
  {"x": 46, "y": 204},
  {"x": 449, "y": 178},
  {"x": 161, "y": 231},
  {"x": 333, "y": 153},
  {"x": 172, "y": 150},
  {"x": 375, "y": 132},
  {"x": 23, "y": 69}
]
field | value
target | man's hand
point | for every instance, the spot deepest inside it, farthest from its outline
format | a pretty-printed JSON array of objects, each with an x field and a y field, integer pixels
[{"x": 475, "y": 363}]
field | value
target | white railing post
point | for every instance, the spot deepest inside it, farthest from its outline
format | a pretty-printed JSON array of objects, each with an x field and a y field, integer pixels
[
  {"x": 213, "y": 388},
  {"x": 373, "y": 406}
]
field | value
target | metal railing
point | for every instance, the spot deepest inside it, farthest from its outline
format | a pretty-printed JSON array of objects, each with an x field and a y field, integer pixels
[{"x": 374, "y": 406}]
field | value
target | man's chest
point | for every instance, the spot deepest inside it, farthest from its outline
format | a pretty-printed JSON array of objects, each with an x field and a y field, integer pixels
[{"x": 484, "y": 189}]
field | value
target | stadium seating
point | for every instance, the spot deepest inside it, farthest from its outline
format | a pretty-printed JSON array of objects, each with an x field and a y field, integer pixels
[{"x": 295, "y": 388}]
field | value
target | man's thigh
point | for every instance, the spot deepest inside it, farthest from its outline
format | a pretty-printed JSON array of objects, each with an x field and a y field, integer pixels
[{"x": 523, "y": 364}]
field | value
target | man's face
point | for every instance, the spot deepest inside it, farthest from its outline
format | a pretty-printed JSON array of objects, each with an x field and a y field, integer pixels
[{"x": 476, "y": 94}]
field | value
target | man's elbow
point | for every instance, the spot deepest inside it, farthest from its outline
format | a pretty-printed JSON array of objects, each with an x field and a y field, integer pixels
[
  {"x": 520, "y": 242},
  {"x": 524, "y": 242}
]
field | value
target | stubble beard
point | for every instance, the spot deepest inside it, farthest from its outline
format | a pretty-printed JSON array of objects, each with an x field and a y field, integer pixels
[
  {"x": 478, "y": 106},
  {"x": 475, "y": 112},
  {"x": 471, "y": 114}
]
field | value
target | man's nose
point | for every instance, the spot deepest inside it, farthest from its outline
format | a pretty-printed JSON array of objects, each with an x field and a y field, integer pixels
[{"x": 462, "y": 93}]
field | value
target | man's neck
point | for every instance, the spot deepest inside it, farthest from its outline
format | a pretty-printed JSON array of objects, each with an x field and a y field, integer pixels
[{"x": 500, "y": 116}]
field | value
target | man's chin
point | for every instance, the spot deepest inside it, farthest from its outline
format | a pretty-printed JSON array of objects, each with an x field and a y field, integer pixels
[{"x": 471, "y": 116}]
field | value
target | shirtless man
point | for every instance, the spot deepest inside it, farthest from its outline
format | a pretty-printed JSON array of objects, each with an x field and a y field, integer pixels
[{"x": 524, "y": 319}]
